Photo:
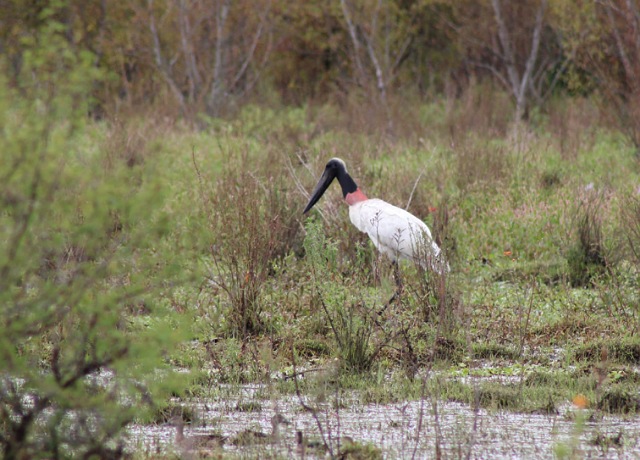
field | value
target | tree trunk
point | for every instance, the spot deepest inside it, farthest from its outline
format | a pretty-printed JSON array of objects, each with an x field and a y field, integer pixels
[
  {"x": 519, "y": 84},
  {"x": 217, "y": 85}
]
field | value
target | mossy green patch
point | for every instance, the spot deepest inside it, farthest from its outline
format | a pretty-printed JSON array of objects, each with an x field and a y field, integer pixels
[
  {"x": 620, "y": 399},
  {"x": 624, "y": 350},
  {"x": 493, "y": 350}
]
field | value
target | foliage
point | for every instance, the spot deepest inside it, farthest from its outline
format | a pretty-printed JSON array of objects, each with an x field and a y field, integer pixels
[
  {"x": 76, "y": 259},
  {"x": 603, "y": 37},
  {"x": 122, "y": 235},
  {"x": 197, "y": 57}
]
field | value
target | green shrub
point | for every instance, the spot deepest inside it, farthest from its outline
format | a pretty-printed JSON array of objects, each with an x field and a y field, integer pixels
[
  {"x": 254, "y": 226},
  {"x": 346, "y": 307},
  {"x": 76, "y": 256}
]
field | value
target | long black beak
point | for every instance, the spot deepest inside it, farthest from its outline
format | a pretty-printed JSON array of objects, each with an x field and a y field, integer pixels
[{"x": 327, "y": 177}]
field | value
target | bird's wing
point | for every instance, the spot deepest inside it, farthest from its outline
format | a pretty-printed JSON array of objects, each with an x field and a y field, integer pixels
[{"x": 396, "y": 232}]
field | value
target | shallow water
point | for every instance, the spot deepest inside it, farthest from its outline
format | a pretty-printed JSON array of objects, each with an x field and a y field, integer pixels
[{"x": 405, "y": 430}]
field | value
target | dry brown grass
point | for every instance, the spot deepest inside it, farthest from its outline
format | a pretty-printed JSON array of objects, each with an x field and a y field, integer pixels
[
  {"x": 255, "y": 223},
  {"x": 573, "y": 125},
  {"x": 127, "y": 140}
]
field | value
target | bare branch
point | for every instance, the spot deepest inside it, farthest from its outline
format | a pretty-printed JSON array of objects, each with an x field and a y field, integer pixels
[
  {"x": 298, "y": 183},
  {"x": 622, "y": 52},
  {"x": 505, "y": 42},
  {"x": 501, "y": 78},
  {"x": 400, "y": 55},
  {"x": 415, "y": 185},
  {"x": 354, "y": 38},
  {"x": 376, "y": 65},
  {"x": 535, "y": 46},
  {"x": 263, "y": 64},
  {"x": 252, "y": 49},
  {"x": 519, "y": 83},
  {"x": 186, "y": 39},
  {"x": 159, "y": 58},
  {"x": 217, "y": 84},
  {"x": 556, "y": 78}
]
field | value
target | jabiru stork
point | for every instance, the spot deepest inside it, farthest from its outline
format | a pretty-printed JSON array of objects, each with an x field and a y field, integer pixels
[{"x": 395, "y": 232}]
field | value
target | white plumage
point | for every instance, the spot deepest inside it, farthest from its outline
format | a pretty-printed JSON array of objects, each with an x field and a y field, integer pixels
[{"x": 397, "y": 233}]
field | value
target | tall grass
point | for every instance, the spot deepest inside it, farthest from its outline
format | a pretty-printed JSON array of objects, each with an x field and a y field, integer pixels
[
  {"x": 255, "y": 224},
  {"x": 587, "y": 258},
  {"x": 631, "y": 224}
]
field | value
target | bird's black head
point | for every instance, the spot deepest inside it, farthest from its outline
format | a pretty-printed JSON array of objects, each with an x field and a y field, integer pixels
[
  {"x": 337, "y": 165},
  {"x": 334, "y": 168}
]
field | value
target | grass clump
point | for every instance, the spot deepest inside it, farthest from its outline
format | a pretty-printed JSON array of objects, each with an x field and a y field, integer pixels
[
  {"x": 313, "y": 348},
  {"x": 352, "y": 450},
  {"x": 352, "y": 323},
  {"x": 497, "y": 396},
  {"x": 620, "y": 399},
  {"x": 249, "y": 406},
  {"x": 586, "y": 257},
  {"x": 492, "y": 350},
  {"x": 253, "y": 232},
  {"x": 631, "y": 224},
  {"x": 625, "y": 350}
]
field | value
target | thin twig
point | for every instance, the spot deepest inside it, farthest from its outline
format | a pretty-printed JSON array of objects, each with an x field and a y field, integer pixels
[
  {"x": 298, "y": 183},
  {"x": 523, "y": 332},
  {"x": 415, "y": 185},
  {"x": 256, "y": 38},
  {"x": 259, "y": 182},
  {"x": 305, "y": 406},
  {"x": 296, "y": 180}
]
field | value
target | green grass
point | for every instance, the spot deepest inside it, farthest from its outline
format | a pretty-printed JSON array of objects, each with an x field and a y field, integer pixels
[{"x": 511, "y": 235}]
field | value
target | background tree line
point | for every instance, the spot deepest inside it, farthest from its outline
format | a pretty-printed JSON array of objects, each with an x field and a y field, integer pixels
[{"x": 210, "y": 56}]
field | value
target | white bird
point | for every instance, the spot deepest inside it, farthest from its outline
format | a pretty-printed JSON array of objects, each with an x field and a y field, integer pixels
[{"x": 395, "y": 232}]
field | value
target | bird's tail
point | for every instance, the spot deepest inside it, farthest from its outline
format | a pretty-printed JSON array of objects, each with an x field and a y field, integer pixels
[
  {"x": 431, "y": 257},
  {"x": 439, "y": 264}
]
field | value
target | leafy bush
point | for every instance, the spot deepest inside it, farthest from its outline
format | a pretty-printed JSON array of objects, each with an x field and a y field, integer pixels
[{"x": 76, "y": 254}]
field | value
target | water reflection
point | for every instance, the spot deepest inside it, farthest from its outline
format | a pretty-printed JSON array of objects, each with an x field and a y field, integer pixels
[{"x": 411, "y": 429}]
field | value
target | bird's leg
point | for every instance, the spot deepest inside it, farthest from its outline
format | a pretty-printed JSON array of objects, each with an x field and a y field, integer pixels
[{"x": 399, "y": 287}]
